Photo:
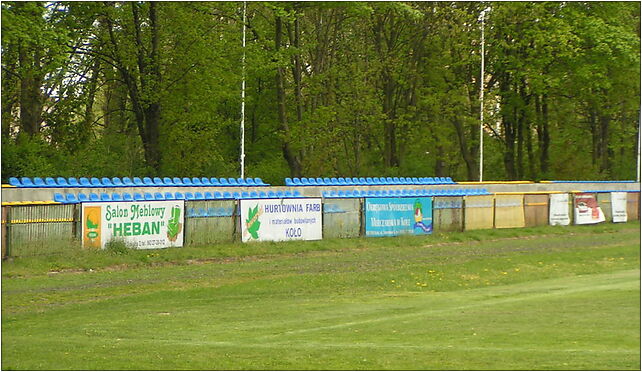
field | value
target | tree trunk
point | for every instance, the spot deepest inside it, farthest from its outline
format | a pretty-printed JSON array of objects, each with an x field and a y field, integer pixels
[
  {"x": 293, "y": 163},
  {"x": 471, "y": 165},
  {"x": 30, "y": 96}
]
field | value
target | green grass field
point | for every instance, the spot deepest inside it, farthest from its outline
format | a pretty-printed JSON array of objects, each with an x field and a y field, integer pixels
[{"x": 529, "y": 299}]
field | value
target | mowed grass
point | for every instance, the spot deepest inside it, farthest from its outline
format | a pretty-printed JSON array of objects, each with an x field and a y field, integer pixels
[{"x": 545, "y": 298}]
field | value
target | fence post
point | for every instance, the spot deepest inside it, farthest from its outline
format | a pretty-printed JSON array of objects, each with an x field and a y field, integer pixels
[{"x": 7, "y": 235}]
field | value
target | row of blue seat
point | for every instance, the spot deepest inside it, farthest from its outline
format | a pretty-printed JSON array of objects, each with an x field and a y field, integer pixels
[
  {"x": 401, "y": 193},
  {"x": 82, "y": 197},
  {"x": 133, "y": 182},
  {"x": 368, "y": 181}
]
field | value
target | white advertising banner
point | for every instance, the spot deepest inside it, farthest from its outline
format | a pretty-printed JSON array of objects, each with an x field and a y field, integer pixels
[
  {"x": 618, "y": 206},
  {"x": 558, "y": 211},
  {"x": 141, "y": 224},
  {"x": 281, "y": 219},
  {"x": 586, "y": 209}
]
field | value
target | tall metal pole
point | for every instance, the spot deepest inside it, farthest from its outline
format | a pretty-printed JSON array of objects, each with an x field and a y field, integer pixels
[
  {"x": 243, "y": 100},
  {"x": 637, "y": 178},
  {"x": 481, "y": 104}
]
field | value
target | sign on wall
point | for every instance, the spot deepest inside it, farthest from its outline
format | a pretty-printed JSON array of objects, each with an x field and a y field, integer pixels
[
  {"x": 618, "y": 206},
  {"x": 398, "y": 216},
  {"x": 281, "y": 219},
  {"x": 142, "y": 225},
  {"x": 586, "y": 209},
  {"x": 558, "y": 210}
]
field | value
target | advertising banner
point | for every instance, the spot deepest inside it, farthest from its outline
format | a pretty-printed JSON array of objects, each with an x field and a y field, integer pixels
[
  {"x": 586, "y": 209},
  {"x": 398, "y": 216},
  {"x": 141, "y": 225},
  {"x": 618, "y": 206},
  {"x": 558, "y": 210},
  {"x": 281, "y": 219}
]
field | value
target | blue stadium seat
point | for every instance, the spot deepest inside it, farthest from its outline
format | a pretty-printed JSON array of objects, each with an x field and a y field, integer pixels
[
  {"x": 334, "y": 181},
  {"x": 325, "y": 194},
  {"x": 199, "y": 196},
  {"x": 362, "y": 181},
  {"x": 254, "y": 194},
  {"x": 377, "y": 192},
  {"x": 208, "y": 195},
  {"x": 260, "y": 182},
  {"x": 271, "y": 194},
  {"x": 127, "y": 196},
  {"x": 327, "y": 181},
  {"x": 13, "y": 181},
  {"x": 296, "y": 181},
  {"x": 245, "y": 195},
  {"x": 169, "y": 196},
  {"x": 50, "y": 182},
  {"x": 232, "y": 182},
  {"x": 443, "y": 180},
  {"x": 196, "y": 181},
  {"x": 287, "y": 193},
  {"x": 430, "y": 181},
  {"x": 341, "y": 181},
  {"x": 138, "y": 181},
  {"x": 127, "y": 181},
  {"x": 148, "y": 181},
  {"x": 105, "y": 197},
  {"x": 82, "y": 197},
  {"x": 304, "y": 181},
  {"x": 168, "y": 181},
  {"x": 26, "y": 182},
  {"x": 84, "y": 182},
  {"x": 205, "y": 181},
  {"x": 389, "y": 181},
  {"x": 177, "y": 181},
  {"x": 236, "y": 195},
  {"x": 71, "y": 198},
  {"x": 396, "y": 181},
  {"x": 415, "y": 181},
  {"x": 138, "y": 196},
  {"x": 312, "y": 181},
  {"x": 279, "y": 194},
  {"x": 116, "y": 182},
  {"x": 95, "y": 182},
  {"x": 106, "y": 182},
  {"x": 223, "y": 181},
  {"x": 73, "y": 182},
  {"x": 94, "y": 197},
  {"x": 241, "y": 182},
  {"x": 158, "y": 182},
  {"x": 320, "y": 181},
  {"x": 250, "y": 182},
  {"x": 59, "y": 198},
  {"x": 38, "y": 182},
  {"x": 450, "y": 180},
  {"x": 341, "y": 194},
  {"x": 214, "y": 181},
  {"x": 288, "y": 181},
  {"x": 187, "y": 182},
  {"x": 149, "y": 196},
  {"x": 218, "y": 195},
  {"x": 158, "y": 196},
  {"x": 189, "y": 196},
  {"x": 179, "y": 196},
  {"x": 296, "y": 194},
  {"x": 227, "y": 195},
  {"x": 262, "y": 194},
  {"x": 116, "y": 197}
]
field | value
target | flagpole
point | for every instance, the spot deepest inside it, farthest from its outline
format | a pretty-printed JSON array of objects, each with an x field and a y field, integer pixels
[{"x": 242, "y": 157}]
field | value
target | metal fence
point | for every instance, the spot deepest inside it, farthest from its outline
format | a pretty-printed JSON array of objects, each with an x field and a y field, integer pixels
[{"x": 46, "y": 229}]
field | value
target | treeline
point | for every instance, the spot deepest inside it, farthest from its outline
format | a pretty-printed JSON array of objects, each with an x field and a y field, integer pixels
[{"x": 333, "y": 89}]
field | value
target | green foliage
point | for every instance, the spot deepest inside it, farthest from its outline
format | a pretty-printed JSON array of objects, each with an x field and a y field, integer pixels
[{"x": 384, "y": 88}]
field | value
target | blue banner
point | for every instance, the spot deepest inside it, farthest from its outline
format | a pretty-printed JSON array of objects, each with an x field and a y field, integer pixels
[{"x": 398, "y": 216}]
